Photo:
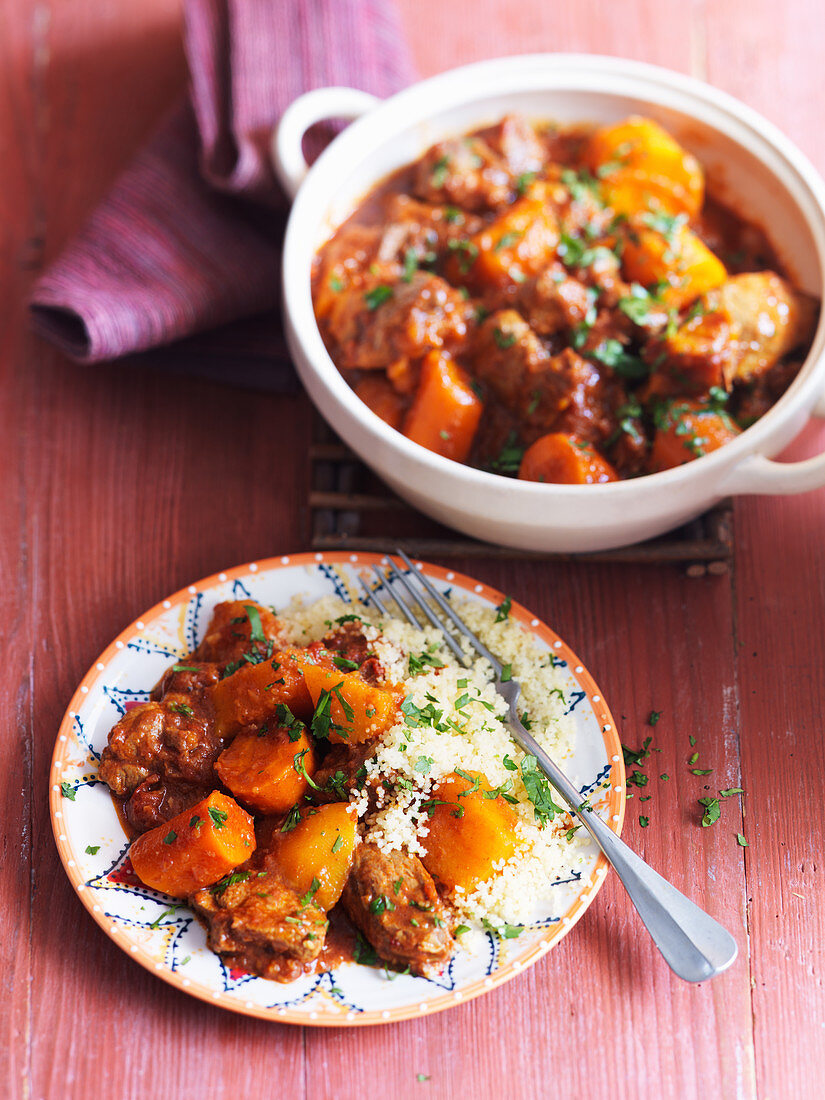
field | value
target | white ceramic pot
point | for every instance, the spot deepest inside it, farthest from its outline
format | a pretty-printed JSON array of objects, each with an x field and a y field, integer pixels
[{"x": 749, "y": 163}]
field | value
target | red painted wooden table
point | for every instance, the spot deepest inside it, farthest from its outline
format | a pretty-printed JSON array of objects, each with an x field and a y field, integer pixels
[{"x": 121, "y": 485}]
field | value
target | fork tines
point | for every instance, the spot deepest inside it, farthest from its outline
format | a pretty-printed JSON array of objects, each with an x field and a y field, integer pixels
[{"x": 413, "y": 581}]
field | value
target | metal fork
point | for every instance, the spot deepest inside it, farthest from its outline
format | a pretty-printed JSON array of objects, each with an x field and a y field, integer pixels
[{"x": 692, "y": 943}]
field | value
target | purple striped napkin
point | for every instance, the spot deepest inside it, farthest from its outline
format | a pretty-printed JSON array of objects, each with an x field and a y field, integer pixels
[{"x": 183, "y": 254}]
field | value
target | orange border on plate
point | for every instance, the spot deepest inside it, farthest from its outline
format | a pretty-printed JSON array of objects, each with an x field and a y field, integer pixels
[{"x": 343, "y": 1017}]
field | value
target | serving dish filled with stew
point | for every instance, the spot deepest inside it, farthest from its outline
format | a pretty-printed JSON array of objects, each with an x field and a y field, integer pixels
[
  {"x": 566, "y": 315},
  {"x": 291, "y": 805}
]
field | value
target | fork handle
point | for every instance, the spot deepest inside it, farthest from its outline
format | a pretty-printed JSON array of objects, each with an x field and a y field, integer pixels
[{"x": 692, "y": 943}]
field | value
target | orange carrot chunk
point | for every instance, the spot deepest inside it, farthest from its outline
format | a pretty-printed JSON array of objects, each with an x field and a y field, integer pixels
[
  {"x": 445, "y": 414},
  {"x": 346, "y": 707},
  {"x": 565, "y": 460},
  {"x": 195, "y": 848},
  {"x": 318, "y": 849},
  {"x": 254, "y": 693},
  {"x": 259, "y": 768},
  {"x": 688, "y": 431},
  {"x": 467, "y": 833}
]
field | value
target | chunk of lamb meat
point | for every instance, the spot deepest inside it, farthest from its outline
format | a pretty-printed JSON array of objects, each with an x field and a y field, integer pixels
[
  {"x": 421, "y": 229},
  {"x": 349, "y": 642},
  {"x": 160, "y": 756},
  {"x": 188, "y": 678},
  {"x": 257, "y": 923},
  {"x": 554, "y": 302},
  {"x": 376, "y": 329},
  {"x": 342, "y": 771},
  {"x": 518, "y": 145},
  {"x": 464, "y": 172},
  {"x": 228, "y": 636},
  {"x": 392, "y": 899},
  {"x": 508, "y": 356}
]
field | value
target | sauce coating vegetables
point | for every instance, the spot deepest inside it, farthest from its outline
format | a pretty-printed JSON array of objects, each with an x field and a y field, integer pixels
[{"x": 529, "y": 291}]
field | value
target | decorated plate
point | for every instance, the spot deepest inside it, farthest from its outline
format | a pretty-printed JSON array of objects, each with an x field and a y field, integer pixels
[{"x": 168, "y": 939}]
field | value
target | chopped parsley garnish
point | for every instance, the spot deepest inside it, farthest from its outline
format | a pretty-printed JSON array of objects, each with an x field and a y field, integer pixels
[
  {"x": 381, "y": 904},
  {"x": 509, "y": 763},
  {"x": 438, "y": 176},
  {"x": 417, "y": 662},
  {"x": 509, "y": 457},
  {"x": 713, "y": 810},
  {"x": 166, "y": 913},
  {"x": 507, "y": 240},
  {"x": 378, "y": 295},
  {"x": 293, "y": 819},
  {"x": 474, "y": 781},
  {"x": 68, "y": 791},
  {"x": 410, "y": 265},
  {"x": 229, "y": 880},
  {"x": 467, "y": 253},
  {"x": 644, "y": 821},
  {"x": 632, "y": 756},
  {"x": 504, "y": 340},
  {"x": 505, "y": 931},
  {"x": 170, "y": 837},
  {"x": 503, "y": 609},
  {"x": 523, "y": 182},
  {"x": 654, "y": 717},
  {"x": 640, "y": 305},
  {"x": 219, "y": 817},
  {"x": 581, "y": 185},
  {"x": 256, "y": 629},
  {"x": 92, "y": 849},
  {"x": 740, "y": 840},
  {"x": 344, "y": 663},
  {"x": 336, "y": 284},
  {"x": 701, "y": 771},
  {"x": 664, "y": 777},
  {"x": 637, "y": 779},
  {"x": 506, "y": 673},
  {"x": 311, "y": 892},
  {"x": 185, "y": 668},
  {"x": 194, "y": 822},
  {"x": 182, "y": 708},
  {"x": 668, "y": 225},
  {"x": 322, "y": 723},
  {"x": 453, "y": 216},
  {"x": 612, "y": 354},
  {"x": 287, "y": 720},
  {"x": 538, "y": 791},
  {"x": 692, "y": 740},
  {"x": 347, "y": 619},
  {"x": 728, "y": 791},
  {"x": 363, "y": 952},
  {"x": 300, "y": 768},
  {"x": 423, "y": 764}
]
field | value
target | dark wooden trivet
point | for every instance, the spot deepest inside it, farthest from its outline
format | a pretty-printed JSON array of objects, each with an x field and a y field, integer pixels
[{"x": 352, "y": 509}]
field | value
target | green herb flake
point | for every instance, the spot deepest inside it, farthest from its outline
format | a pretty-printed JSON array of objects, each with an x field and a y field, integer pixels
[
  {"x": 538, "y": 791},
  {"x": 506, "y": 673},
  {"x": 636, "y": 756},
  {"x": 644, "y": 821},
  {"x": 185, "y": 668},
  {"x": 92, "y": 849},
  {"x": 338, "y": 844},
  {"x": 701, "y": 771},
  {"x": 461, "y": 929},
  {"x": 422, "y": 1077},
  {"x": 654, "y": 717},
  {"x": 256, "y": 629},
  {"x": 423, "y": 764},
  {"x": 664, "y": 777},
  {"x": 503, "y": 609},
  {"x": 311, "y": 892},
  {"x": 504, "y": 340},
  {"x": 713, "y": 811},
  {"x": 181, "y": 708},
  {"x": 219, "y": 817},
  {"x": 692, "y": 740},
  {"x": 170, "y": 837},
  {"x": 377, "y": 296},
  {"x": 728, "y": 791},
  {"x": 740, "y": 840},
  {"x": 68, "y": 791}
]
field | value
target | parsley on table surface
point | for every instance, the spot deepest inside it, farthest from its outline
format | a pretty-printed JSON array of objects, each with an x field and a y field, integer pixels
[
  {"x": 740, "y": 840},
  {"x": 713, "y": 811},
  {"x": 636, "y": 756},
  {"x": 654, "y": 717}
]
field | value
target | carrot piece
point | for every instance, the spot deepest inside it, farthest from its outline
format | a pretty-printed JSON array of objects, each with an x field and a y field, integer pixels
[
  {"x": 380, "y": 395},
  {"x": 446, "y": 412},
  {"x": 259, "y": 768},
  {"x": 664, "y": 250},
  {"x": 565, "y": 460},
  {"x": 253, "y": 694},
  {"x": 318, "y": 849},
  {"x": 346, "y": 707},
  {"x": 640, "y": 165},
  {"x": 687, "y": 431},
  {"x": 195, "y": 848},
  {"x": 519, "y": 243},
  {"x": 467, "y": 833}
]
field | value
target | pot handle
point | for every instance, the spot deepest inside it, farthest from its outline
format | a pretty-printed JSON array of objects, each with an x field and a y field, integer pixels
[
  {"x": 287, "y": 154},
  {"x": 758, "y": 474}
]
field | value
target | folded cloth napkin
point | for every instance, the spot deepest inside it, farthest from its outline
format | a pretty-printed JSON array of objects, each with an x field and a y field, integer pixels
[{"x": 189, "y": 237}]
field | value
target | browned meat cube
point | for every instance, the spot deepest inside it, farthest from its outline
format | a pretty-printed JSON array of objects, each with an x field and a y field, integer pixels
[
  {"x": 343, "y": 771},
  {"x": 392, "y": 899},
  {"x": 354, "y": 651},
  {"x": 769, "y": 319},
  {"x": 229, "y": 635},
  {"x": 167, "y": 739},
  {"x": 698, "y": 355},
  {"x": 187, "y": 677},
  {"x": 464, "y": 172},
  {"x": 376, "y": 328},
  {"x": 156, "y": 800},
  {"x": 345, "y": 264},
  {"x": 257, "y": 923},
  {"x": 516, "y": 142},
  {"x": 508, "y": 356},
  {"x": 751, "y": 400},
  {"x": 416, "y": 233},
  {"x": 555, "y": 302}
]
